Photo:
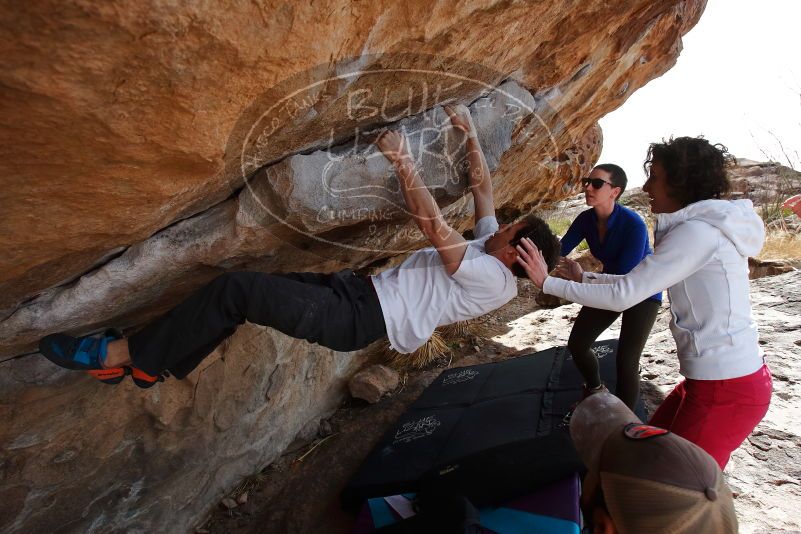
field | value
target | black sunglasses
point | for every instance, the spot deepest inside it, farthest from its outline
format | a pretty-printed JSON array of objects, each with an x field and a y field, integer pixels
[{"x": 597, "y": 183}]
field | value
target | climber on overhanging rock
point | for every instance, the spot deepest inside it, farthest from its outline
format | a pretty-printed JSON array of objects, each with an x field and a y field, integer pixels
[{"x": 455, "y": 280}]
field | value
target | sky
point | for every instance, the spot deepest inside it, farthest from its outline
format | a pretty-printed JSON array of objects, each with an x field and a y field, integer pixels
[{"x": 737, "y": 79}]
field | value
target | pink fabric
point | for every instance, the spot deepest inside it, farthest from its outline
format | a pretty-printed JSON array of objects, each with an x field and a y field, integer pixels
[{"x": 716, "y": 415}]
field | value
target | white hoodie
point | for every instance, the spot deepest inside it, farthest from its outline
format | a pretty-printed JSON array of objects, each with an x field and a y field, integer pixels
[{"x": 701, "y": 256}]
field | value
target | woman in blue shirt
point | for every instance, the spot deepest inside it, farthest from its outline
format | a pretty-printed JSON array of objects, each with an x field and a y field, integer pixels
[{"x": 618, "y": 238}]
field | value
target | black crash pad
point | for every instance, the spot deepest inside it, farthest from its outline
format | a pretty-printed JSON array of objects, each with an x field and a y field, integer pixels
[{"x": 488, "y": 432}]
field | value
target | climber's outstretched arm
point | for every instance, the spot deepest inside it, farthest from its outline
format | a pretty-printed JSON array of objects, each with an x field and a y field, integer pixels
[
  {"x": 478, "y": 171},
  {"x": 422, "y": 206}
]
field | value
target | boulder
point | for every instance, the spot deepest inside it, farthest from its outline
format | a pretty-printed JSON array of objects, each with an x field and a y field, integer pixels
[
  {"x": 143, "y": 112},
  {"x": 294, "y": 203},
  {"x": 759, "y": 268},
  {"x": 373, "y": 383},
  {"x": 78, "y": 455}
]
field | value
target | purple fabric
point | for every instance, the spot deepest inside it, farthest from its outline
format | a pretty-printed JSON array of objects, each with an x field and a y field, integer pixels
[{"x": 560, "y": 500}]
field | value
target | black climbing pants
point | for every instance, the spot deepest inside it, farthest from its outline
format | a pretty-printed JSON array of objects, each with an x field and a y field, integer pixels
[
  {"x": 340, "y": 311},
  {"x": 637, "y": 323}
]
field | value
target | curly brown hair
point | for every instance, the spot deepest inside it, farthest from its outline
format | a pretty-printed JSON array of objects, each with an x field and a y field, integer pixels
[{"x": 696, "y": 169}]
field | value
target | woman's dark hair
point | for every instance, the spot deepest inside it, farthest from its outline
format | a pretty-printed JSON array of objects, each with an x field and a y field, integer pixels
[
  {"x": 616, "y": 175},
  {"x": 540, "y": 233},
  {"x": 695, "y": 168}
]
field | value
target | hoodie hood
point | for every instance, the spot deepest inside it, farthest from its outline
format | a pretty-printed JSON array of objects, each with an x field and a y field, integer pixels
[{"x": 736, "y": 219}]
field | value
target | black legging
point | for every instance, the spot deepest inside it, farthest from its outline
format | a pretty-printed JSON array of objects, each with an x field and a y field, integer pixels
[
  {"x": 340, "y": 311},
  {"x": 637, "y": 323}
]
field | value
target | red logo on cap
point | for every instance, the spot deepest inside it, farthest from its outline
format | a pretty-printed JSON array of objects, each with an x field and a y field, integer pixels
[{"x": 640, "y": 431}]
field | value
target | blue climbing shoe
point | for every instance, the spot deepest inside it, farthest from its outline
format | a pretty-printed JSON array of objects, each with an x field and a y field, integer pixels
[{"x": 76, "y": 353}]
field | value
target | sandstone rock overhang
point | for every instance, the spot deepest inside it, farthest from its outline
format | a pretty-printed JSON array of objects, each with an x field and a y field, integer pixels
[
  {"x": 122, "y": 188},
  {"x": 349, "y": 186},
  {"x": 120, "y": 123}
]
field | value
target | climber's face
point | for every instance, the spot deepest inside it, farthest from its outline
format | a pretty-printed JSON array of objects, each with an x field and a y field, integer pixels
[{"x": 501, "y": 239}]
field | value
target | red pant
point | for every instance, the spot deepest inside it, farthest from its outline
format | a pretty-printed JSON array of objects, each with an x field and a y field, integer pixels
[{"x": 716, "y": 415}]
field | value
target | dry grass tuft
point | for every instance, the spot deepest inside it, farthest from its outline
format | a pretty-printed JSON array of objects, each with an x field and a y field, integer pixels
[
  {"x": 781, "y": 245},
  {"x": 440, "y": 344},
  {"x": 434, "y": 349},
  {"x": 456, "y": 330}
]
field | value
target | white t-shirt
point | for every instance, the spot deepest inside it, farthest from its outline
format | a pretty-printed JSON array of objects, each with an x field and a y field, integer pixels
[{"x": 419, "y": 295}]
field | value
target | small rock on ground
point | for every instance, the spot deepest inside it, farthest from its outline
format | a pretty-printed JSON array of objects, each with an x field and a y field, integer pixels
[{"x": 373, "y": 383}]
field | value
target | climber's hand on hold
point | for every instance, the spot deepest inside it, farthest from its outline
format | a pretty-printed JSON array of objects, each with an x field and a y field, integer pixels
[
  {"x": 461, "y": 120},
  {"x": 394, "y": 146}
]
